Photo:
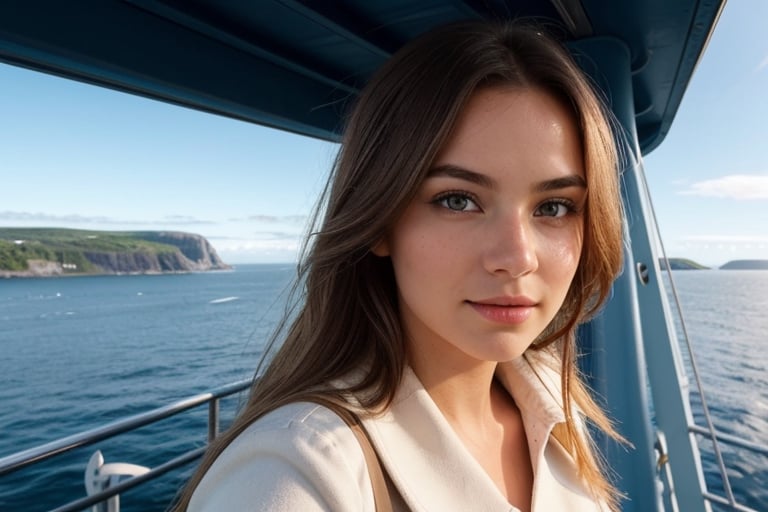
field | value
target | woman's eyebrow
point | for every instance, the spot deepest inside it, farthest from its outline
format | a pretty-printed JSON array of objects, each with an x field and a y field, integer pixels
[
  {"x": 574, "y": 180},
  {"x": 454, "y": 171}
]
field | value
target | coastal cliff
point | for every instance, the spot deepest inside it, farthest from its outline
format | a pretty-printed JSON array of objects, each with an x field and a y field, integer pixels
[
  {"x": 681, "y": 264},
  {"x": 745, "y": 265},
  {"x": 42, "y": 252}
]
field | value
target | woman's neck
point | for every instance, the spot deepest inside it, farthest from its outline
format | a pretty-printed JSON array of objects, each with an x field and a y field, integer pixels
[
  {"x": 484, "y": 417},
  {"x": 461, "y": 387}
]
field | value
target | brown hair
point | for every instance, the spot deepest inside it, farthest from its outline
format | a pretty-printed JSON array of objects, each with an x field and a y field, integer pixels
[{"x": 348, "y": 313}]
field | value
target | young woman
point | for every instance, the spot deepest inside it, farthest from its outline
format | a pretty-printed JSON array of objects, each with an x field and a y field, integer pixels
[{"x": 471, "y": 222}]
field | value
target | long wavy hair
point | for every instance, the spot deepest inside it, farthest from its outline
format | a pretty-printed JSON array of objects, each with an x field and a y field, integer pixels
[{"x": 346, "y": 308}]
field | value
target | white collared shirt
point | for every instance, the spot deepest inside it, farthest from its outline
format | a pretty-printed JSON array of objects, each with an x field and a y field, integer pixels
[{"x": 302, "y": 457}]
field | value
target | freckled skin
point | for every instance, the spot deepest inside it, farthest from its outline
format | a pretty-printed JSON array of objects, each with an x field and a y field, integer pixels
[{"x": 466, "y": 248}]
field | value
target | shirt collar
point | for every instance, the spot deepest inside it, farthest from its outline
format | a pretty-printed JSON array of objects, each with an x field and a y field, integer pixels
[{"x": 431, "y": 467}]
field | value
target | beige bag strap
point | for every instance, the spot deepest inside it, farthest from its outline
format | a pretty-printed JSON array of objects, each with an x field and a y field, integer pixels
[{"x": 381, "y": 496}]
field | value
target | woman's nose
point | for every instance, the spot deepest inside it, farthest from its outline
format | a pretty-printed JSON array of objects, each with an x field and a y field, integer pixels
[{"x": 511, "y": 247}]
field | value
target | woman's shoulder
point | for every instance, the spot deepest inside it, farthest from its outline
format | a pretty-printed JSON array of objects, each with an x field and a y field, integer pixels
[
  {"x": 300, "y": 456},
  {"x": 296, "y": 417},
  {"x": 302, "y": 427}
]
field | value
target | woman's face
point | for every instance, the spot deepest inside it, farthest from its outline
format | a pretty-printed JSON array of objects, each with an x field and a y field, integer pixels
[{"x": 485, "y": 253}]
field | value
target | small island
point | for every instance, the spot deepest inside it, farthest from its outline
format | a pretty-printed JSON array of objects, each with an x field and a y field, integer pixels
[
  {"x": 46, "y": 252},
  {"x": 745, "y": 265},
  {"x": 681, "y": 264},
  {"x": 687, "y": 264}
]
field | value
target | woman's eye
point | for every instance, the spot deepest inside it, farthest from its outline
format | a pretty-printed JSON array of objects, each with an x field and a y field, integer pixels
[
  {"x": 553, "y": 209},
  {"x": 458, "y": 203}
]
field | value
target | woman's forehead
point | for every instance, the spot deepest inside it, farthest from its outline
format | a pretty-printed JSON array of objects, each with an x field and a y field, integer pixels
[{"x": 512, "y": 129}]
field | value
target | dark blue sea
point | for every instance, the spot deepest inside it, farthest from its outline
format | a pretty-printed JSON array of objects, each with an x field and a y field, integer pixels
[
  {"x": 81, "y": 352},
  {"x": 726, "y": 316}
]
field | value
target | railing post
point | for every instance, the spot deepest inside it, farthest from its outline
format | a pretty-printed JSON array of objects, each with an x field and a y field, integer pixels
[{"x": 213, "y": 419}]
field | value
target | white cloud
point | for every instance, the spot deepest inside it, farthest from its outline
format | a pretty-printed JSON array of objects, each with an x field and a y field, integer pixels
[
  {"x": 48, "y": 218},
  {"x": 272, "y": 219},
  {"x": 731, "y": 239},
  {"x": 261, "y": 241},
  {"x": 255, "y": 246},
  {"x": 182, "y": 220},
  {"x": 264, "y": 250},
  {"x": 763, "y": 64},
  {"x": 735, "y": 186}
]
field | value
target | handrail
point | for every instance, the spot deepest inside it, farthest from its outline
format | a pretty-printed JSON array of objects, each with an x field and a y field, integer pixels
[
  {"x": 709, "y": 430},
  {"x": 729, "y": 439},
  {"x": 723, "y": 501},
  {"x": 713, "y": 433},
  {"x": 88, "y": 501},
  {"x": 43, "y": 452},
  {"x": 25, "y": 458},
  {"x": 40, "y": 453}
]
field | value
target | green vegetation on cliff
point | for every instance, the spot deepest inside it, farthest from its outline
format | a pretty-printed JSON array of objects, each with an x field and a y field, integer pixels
[
  {"x": 53, "y": 251},
  {"x": 681, "y": 264},
  {"x": 14, "y": 256}
]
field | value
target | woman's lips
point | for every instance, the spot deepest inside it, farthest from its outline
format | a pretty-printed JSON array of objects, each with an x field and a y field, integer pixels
[{"x": 504, "y": 310}]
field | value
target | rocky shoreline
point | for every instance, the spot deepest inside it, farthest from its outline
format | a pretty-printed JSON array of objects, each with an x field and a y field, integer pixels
[{"x": 69, "y": 253}]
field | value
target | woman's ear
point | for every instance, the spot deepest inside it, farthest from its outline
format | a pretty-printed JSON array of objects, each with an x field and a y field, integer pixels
[{"x": 381, "y": 248}]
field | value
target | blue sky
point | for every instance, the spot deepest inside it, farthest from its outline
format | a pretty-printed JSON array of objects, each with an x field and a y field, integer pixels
[
  {"x": 77, "y": 156},
  {"x": 709, "y": 178}
]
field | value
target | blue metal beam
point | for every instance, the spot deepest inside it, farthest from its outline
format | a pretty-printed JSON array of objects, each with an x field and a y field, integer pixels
[{"x": 632, "y": 345}]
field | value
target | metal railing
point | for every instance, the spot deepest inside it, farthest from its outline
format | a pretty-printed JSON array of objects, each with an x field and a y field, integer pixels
[
  {"x": 709, "y": 431},
  {"x": 731, "y": 440},
  {"x": 19, "y": 460},
  {"x": 727, "y": 439}
]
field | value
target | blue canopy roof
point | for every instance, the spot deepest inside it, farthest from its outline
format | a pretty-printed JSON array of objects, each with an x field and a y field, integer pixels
[{"x": 293, "y": 64}]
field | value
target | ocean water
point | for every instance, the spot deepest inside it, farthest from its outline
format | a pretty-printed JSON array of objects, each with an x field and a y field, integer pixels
[
  {"x": 726, "y": 315},
  {"x": 80, "y": 352}
]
